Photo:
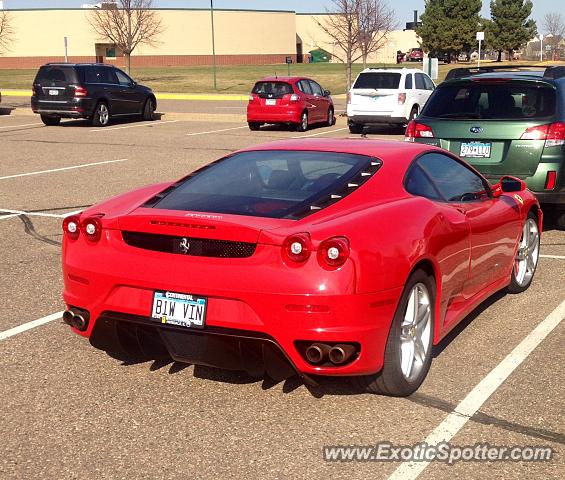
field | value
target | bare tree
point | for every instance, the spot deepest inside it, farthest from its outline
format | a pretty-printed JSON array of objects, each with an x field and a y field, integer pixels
[
  {"x": 553, "y": 24},
  {"x": 376, "y": 21},
  {"x": 357, "y": 28},
  {"x": 127, "y": 24},
  {"x": 6, "y": 30}
]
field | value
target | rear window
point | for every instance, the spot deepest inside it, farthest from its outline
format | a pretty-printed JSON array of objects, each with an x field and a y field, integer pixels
[
  {"x": 56, "y": 74},
  {"x": 378, "y": 80},
  {"x": 496, "y": 101},
  {"x": 272, "y": 89},
  {"x": 276, "y": 184}
]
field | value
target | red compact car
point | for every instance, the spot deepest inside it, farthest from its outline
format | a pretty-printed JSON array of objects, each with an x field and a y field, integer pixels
[
  {"x": 316, "y": 257},
  {"x": 295, "y": 101}
]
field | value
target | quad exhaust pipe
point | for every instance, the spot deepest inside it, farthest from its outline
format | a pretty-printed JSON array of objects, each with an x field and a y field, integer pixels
[
  {"x": 339, "y": 354},
  {"x": 76, "y": 318}
]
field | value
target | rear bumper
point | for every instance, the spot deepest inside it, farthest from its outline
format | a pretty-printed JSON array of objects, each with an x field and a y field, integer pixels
[
  {"x": 551, "y": 198},
  {"x": 376, "y": 120},
  {"x": 273, "y": 115},
  {"x": 274, "y": 303},
  {"x": 75, "y": 108}
]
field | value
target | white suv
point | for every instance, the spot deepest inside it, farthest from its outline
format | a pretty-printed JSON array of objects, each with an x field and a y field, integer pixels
[{"x": 391, "y": 96}]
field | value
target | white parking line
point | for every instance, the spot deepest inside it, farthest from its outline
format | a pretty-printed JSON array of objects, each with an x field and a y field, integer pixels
[
  {"x": 560, "y": 257},
  {"x": 321, "y": 133},
  {"x": 216, "y": 131},
  {"x": 29, "y": 325},
  {"x": 148, "y": 124},
  {"x": 447, "y": 429},
  {"x": 18, "y": 126},
  {"x": 62, "y": 169}
]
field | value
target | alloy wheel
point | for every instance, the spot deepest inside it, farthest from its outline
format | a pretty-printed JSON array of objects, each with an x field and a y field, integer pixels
[{"x": 528, "y": 253}]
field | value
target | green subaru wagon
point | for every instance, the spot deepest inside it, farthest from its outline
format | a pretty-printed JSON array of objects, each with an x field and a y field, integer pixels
[{"x": 504, "y": 121}]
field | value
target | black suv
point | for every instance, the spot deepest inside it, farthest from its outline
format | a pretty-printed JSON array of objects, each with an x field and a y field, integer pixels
[{"x": 96, "y": 92}]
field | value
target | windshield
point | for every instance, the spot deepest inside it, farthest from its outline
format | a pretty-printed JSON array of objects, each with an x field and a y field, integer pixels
[
  {"x": 496, "y": 101},
  {"x": 272, "y": 183},
  {"x": 378, "y": 80},
  {"x": 272, "y": 89}
]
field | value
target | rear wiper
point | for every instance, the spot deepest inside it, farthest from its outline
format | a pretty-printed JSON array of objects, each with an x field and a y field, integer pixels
[{"x": 461, "y": 115}]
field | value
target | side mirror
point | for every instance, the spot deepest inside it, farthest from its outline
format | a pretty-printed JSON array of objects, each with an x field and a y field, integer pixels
[
  {"x": 512, "y": 184},
  {"x": 327, "y": 93}
]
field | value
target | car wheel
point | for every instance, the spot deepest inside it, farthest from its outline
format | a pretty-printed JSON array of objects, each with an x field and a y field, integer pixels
[
  {"x": 408, "y": 352},
  {"x": 303, "y": 125},
  {"x": 331, "y": 119},
  {"x": 101, "y": 116},
  {"x": 50, "y": 121},
  {"x": 560, "y": 220},
  {"x": 527, "y": 256},
  {"x": 149, "y": 110},
  {"x": 355, "y": 128},
  {"x": 254, "y": 125}
]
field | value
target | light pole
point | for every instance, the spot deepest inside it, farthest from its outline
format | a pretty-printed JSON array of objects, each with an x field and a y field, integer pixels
[
  {"x": 480, "y": 38},
  {"x": 540, "y": 47},
  {"x": 213, "y": 44}
]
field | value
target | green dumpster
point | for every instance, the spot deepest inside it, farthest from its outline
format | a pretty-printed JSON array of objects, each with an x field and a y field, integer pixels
[{"x": 319, "y": 55}]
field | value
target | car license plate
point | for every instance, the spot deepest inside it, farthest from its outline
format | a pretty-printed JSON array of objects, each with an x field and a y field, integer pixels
[
  {"x": 53, "y": 92},
  {"x": 475, "y": 150},
  {"x": 270, "y": 101},
  {"x": 179, "y": 309}
]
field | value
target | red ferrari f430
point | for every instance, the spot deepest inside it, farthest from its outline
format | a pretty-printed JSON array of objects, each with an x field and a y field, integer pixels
[{"x": 310, "y": 257}]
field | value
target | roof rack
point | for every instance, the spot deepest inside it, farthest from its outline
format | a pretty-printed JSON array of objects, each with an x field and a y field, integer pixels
[{"x": 467, "y": 71}]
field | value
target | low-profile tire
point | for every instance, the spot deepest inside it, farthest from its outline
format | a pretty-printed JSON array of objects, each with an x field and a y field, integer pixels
[
  {"x": 149, "y": 110},
  {"x": 408, "y": 351},
  {"x": 303, "y": 125},
  {"x": 101, "y": 115},
  {"x": 331, "y": 119},
  {"x": 50, "y": 120},
  {"x": 254, "y": 126},
  {"x": 355, "y": 128},
  {"x": 527, "y": 256}
]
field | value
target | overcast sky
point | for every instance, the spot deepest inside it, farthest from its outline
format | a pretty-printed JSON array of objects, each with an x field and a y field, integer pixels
[{"x": 404, "y": 14}]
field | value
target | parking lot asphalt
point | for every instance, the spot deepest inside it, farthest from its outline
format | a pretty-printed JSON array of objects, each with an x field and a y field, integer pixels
[{"x": 70, "y": 411}]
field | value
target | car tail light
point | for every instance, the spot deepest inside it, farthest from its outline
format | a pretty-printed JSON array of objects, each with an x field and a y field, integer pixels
[
  {"x": 252, "y": 98},
  {"x": 81, "y": 92},
  {"x": 297, "y": 248},
  {"x": 349, "y": 98},
  {"x": 91, "y": 227},
  {"x": 417, "y": 130},
  {"x": 294, "y": 97},
  {"x": 71, "y": 226},
  {"x": 550, "y": 180},
  {"x": 401, "y": 98},
  {"x": 553, "y": 134},
  {"x": 333, "y": 252}
]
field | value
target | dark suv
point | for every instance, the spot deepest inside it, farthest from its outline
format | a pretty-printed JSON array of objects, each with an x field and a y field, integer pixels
[
  {"x": 96, "y": 92},
  {"x": 504, "y": 121}
]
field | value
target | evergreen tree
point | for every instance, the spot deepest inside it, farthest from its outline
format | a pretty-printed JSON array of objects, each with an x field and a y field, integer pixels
[
  {"x": 510, "y": 27},
  {"x": 449, "y": 26}
]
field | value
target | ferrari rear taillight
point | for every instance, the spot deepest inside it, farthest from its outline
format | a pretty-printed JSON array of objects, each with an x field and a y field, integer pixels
[
  {"x": 81, "y": 92},
  {"x": 550, "y": 180},
  {"x": 333, "y": 252},
  {"x": 92, "y": 228},
  {"x": 71, "y": 226},
  {"x": 552, "y": 133},
  {"x": 401, "y": 98},
  {"x": 417, "y": 130},
  {"x": 297, "y": 248}
]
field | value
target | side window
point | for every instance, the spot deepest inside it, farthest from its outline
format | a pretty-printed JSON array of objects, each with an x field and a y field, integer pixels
[
  {"x": 105, "y": 75},
  {"x": 455, "y": 181},
  {"x": 123, "y": 79},
  {"x": 316, "y": 88},
  {"x": 305, "y": 87},
  {"x": 429, "y": 83},
  {"x": 418, "y": 183},
  {"x": 90, "y": 75},
  {"x": 420, "y": 84},
  {"x": 408, "y": 82}
]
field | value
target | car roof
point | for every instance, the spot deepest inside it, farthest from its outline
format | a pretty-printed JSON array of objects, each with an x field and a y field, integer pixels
[
  {"x": 522, "y": 75},
  {"x": 65, "y": 64},
  {"x": 385, "y": 150},
  {"x": 392, "y": 70},
  {"x": 283, "y": 79}
]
